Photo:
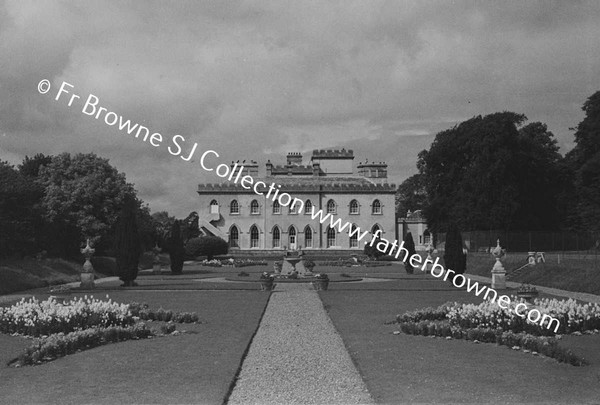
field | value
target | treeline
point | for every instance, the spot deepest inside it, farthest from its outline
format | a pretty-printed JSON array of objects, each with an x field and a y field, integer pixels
[
  {"x": 499, "y": 172},
  {"x": 52, "y": 204}
]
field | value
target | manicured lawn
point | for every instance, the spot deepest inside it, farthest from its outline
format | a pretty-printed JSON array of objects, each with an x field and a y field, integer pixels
[
  {"x": 195, "y": 367},
  {"x": 415, "y": 369}
]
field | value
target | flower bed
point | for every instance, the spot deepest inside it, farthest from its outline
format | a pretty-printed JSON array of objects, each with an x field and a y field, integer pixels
[
  {"x": 487, "y": 322},
  {"x": 81, "y": 324},
  {"x": 58, "y": 345},
  {"x": 145, "y": 313},
  {"x": 573, "y": 317},
  {"x": 233, "y": 262},
  {"x": 37, "y": 318},
  {"x": 544, "y": 345}
]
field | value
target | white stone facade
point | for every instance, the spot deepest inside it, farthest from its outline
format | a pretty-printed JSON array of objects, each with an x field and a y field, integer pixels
[{"x": 249, "y": 221}]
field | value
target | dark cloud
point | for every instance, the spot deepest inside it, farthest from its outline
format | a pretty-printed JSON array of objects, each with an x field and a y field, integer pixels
[{"x": 257, "y": 79}]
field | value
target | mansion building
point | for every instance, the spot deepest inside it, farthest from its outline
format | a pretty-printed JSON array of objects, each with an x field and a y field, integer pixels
[{"x": 328, "y": 182}]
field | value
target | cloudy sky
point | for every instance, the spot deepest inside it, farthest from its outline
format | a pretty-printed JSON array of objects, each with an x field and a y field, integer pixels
[{"x": 257, "y": 79}]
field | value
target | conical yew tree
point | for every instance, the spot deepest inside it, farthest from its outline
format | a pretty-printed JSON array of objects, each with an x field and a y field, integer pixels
[
  {"x": 454, "y": 258},
  {"x": 409, "y": 244},
  {"x": 176, "y": 249},
  {"x": 127, "y": 243}
]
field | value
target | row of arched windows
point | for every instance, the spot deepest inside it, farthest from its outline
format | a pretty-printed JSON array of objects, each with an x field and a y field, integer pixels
[
  {"x": 292, "y": 242},
  {"x": 331, "y": 208}
]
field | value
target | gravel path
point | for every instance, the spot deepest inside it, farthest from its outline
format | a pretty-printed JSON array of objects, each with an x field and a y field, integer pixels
[{"x": 297, "y": 357}]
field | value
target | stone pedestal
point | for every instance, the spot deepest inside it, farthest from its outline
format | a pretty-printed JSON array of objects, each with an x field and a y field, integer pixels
[
  {"x": 293, "y": 262},
  {"x": 498, "y": 276},
  {"x": 87, "y": 281},
  {"x": 87, "y": 274},
  {"x": 429, "y": 260}
]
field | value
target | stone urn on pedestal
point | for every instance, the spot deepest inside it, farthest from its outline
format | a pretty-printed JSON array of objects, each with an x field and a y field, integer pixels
[
  {"x": 498, "y": 272},
  {"x": 87, "y": 273},
  {"x": 267, "y": 282},
  {"x": 429, "y": 260},
  {"x": 156, "y": 267},
  {"x": 321, "y": 282}
]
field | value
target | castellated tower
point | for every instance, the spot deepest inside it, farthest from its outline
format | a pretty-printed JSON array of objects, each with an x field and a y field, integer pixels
[
  {"x": 250, "y": 168},
  {"x": 376, "y": 172},
  {"x": 334, "y": 162},
  {"x": 294, "y": 159}
]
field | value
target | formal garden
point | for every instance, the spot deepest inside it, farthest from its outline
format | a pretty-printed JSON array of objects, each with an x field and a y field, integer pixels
[{"x": 196, "y": 326}]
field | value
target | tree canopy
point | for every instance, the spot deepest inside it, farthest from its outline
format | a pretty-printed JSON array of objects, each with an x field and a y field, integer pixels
[
  {"x": 84, "y": 191},
  {"x": 492, "y": 173},
  {"x": 411, "y": 194},
  {"x": 20, "y": 219},
  {"x": 584, "y": 164}
]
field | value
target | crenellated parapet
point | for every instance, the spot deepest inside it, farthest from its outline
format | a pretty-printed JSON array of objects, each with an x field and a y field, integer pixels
[
  {"x": 291, "y": 187},
  {"x": 332, "y": 154}
]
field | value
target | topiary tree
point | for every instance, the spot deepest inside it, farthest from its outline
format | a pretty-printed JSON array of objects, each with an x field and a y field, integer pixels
[
  {"x": 176, "y": 249},
  {"x": 409, "y": 244},
  {"x": 127, "y": 243},
  {"x": 454, "y": 257},
  {"x": 208, "y": 246}
]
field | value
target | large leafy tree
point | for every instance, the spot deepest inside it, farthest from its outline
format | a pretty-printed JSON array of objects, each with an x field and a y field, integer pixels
[
  {"x": 162, "y": 223},
  {"x": 20, "y": 219},
  {"x": 492, "y": 173},
  {"x": 31, "y": 166},
  {"x": 411, "y": 194},
  {"x": 84, "y": 191},
  {"x": 584, "y": 162}
]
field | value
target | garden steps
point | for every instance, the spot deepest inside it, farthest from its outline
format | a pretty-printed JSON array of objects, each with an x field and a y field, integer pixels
[{"x": 297, "y": 356}]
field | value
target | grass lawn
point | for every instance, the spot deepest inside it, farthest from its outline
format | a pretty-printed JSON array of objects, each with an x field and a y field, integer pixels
[
  {"x": 416, "y": 369},
  {"x": 190, "y": 368}
]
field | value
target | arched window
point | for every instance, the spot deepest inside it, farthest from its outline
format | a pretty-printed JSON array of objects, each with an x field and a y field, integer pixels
[
  {"x": 276, "y": 237},
  {"x": 354, "y": 237},
  {"x": 234, "y": 237},
  {"x": 374, "y": 230},
  {"x": 330, "y": 237},
  {"x": 354, "y": 207},
  {"x": 276, "y": 207},
  {"x": 214, "y": 207},
  {"x": 331, "y": 207},
  {"x": 292, "y": 241},
  {"x": 254, "y": 207},
  {"x": 234, "y": 207},
  {"x": 308, "y": 207},
  {"x": 376, "y": 207},
  {"x": 426, "y": 237},
  {"x": 308, "y": 237},
  {"x": 254, "y": 236}
]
